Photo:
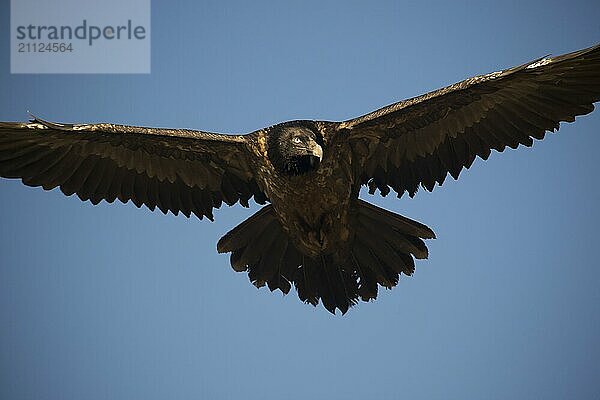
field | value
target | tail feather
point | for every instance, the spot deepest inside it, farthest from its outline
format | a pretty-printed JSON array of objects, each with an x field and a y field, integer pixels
[
  {"x": 341, "y": 289},
  {"x": 403, "y": 224},
  {"x": 397, "y": 232},
  {"x": 330, "y": 288},
  {"x": 368, "y": 260},
  {"x": 367, "y": 281},
  {"x": 288, "y": 267},
  {"x": 347, "y": 289},
  {"x": 262, "y": 257},
  {"x": 307, "y": 281},
  {"x": 267, "y": 268},
  {"x": 276, "y": 278},
  {"x": 383, "y": 246}
]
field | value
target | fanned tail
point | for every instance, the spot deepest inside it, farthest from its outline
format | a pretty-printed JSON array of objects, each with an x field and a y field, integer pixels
[{"x": 383, "y": 246}]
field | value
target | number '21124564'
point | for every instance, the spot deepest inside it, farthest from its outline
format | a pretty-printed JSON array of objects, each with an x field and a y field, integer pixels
[{"x": 54, "y": 47}]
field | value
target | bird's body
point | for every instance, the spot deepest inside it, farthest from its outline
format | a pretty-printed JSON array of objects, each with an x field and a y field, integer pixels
[
  {"x": 313, "y": 207},
  {"x": 316, "y": 233}
]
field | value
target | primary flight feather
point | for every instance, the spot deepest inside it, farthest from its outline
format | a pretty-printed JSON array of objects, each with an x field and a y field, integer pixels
[{"x": 315, "y": 234}]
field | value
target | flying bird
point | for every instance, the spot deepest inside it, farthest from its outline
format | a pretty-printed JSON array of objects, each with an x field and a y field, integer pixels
[{"x": 315, "y": 234}]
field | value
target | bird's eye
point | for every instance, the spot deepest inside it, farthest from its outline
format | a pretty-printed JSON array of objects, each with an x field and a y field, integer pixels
[{"x": 296, "y": 140}]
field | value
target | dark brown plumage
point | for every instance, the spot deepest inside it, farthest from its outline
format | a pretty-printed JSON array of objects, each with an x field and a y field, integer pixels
[{"x": 316, "y": 234}]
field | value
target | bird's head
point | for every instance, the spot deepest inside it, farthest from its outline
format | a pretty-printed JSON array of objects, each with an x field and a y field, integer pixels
[{"x": 294, "y": 150}]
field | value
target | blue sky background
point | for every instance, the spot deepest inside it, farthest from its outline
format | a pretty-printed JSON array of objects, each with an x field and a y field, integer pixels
[{"x": 109, "y": 301}]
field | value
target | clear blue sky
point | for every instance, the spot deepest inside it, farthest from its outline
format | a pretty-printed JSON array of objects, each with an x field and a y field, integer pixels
[{"x": 115, "y": 302}]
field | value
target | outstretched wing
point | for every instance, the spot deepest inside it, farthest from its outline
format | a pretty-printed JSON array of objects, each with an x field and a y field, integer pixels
[
  {"x": 418, "y": 141},
  {"x": 175, "y": 170}
]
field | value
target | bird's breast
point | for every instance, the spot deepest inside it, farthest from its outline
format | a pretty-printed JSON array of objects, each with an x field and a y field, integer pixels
[{"x": 313, "y": 208}]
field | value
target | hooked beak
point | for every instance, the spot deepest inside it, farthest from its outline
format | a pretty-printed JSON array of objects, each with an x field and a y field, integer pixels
[{"x": 317, "y": 151}]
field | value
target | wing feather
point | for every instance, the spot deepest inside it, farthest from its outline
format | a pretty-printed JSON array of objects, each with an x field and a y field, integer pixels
[
  {"x": 175, "y": 169},
  {"x": 417, "y": 142}
]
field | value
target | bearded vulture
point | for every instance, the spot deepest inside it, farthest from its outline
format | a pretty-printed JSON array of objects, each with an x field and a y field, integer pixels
[{"x": 315, "y": 233}]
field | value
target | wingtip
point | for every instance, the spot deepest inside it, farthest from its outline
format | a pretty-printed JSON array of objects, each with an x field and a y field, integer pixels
[
  {"x": 431, "y": 234},
  {"x": 32, "y": 118}
]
